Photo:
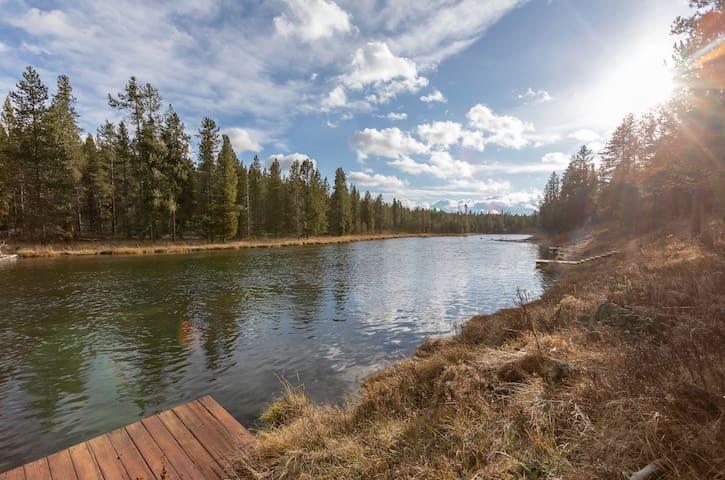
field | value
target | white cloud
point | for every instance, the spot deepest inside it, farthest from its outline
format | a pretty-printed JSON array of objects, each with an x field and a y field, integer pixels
[
  {"x": 3, "y": 47},
  {"x": 286, "y": 161},
  {"x": 34, "y": 49},
  {"x": 432, "y": 31},
  {"x": 336, "y": 98},
  {"x": 503, "y": 130},
  {"x": 396, "y": 116},
  {"x": 540, "y": 139},
  {"x": 536, "y": 96},
  {"x": 482, "y": 187},
  {"x": 376, "y": 63},
  {"x": 440, "y": 133},
  {"x": 47, "y": 23},
  {"x": 136, "y": 39},
  {"x": 597, "y": 148},
  {"x": 584, "y": 135},
  {"x": 244, "y": 140},
  {"x": 436, "y": 96},
  {"x": 556, "y": 160},
  {"x": 449, "y": 133},
  {"x": 376, "y": 180},
  {"x": 440, "y": 164},
  {"x": 386, "y": 74},
  {"x": 388, "y": 142},
  {"x": 310, "y": 20},
  {"x": 526, "y": 199},
  {"x": 473, "y": 140}
]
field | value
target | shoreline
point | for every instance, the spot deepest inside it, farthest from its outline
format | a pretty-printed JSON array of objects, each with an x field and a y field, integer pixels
[
  {"x": 541, "y": 384},
  {"x": 161, "y": 248}
]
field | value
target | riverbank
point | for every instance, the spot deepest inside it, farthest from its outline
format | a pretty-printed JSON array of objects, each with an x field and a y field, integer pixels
[
  {"x": 154, "y": 248},
  {"x": 619, "y": 367}
]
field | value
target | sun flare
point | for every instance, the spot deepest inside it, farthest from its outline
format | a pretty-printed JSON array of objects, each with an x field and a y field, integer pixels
[{"x": 636, "y": 83}]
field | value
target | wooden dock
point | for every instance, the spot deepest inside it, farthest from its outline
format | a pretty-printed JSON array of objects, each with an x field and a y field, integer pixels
[
  {"x": 197, "y": 440},
  {"x": 543, "y": 262}
]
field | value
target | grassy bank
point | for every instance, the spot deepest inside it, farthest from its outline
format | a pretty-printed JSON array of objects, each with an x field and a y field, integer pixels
[
  {"x": 619, "y": 366},
  {"x": 150, "y": 248}
]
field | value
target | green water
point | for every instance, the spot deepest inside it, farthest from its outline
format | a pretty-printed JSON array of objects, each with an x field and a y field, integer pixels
[{"x": 91, "y": 344}]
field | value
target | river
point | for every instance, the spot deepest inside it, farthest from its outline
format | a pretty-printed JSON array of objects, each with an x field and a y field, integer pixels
[{"x": 88, "y": 344}]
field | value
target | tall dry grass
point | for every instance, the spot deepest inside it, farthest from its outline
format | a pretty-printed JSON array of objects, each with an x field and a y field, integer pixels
[
  {"x": 162, "y": 247},
  {"x": 595, "y": 399}
]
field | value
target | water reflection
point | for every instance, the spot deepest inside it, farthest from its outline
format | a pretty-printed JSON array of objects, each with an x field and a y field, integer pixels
[{"x": 90, "y": 344}]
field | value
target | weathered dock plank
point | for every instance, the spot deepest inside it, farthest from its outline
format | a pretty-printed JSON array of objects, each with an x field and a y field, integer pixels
[
  {"x": 196, "y": 440},
  {"x": 551, "y": 261},
  {"x": 196, "y": 452},
  {"x": 84, "y": 463},
  {"x": 61, "y": 465}
]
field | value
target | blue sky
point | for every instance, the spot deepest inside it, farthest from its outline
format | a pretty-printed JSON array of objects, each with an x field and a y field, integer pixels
[{"x": 435, "y": 102}]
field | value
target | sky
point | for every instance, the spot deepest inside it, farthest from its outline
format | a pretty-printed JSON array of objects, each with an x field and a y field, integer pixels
[{"x": 446, "y": 103}]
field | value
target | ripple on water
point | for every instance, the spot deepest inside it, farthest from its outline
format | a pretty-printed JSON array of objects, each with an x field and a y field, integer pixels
[{"x": 90, "y": 344}]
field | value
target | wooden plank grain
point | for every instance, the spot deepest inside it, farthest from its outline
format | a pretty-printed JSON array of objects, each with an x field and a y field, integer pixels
[
  {"x": 214, "y": 438},
  {"x": 176, "y": 455},
  {"x": 195, "y": 450},
  {"x": 229, "y": 422},
  {"x": 107, "y": 459},
  {"x": 38, "y": 470},
  {"x": 152, "y": 454},
  {"x": 84, "y": 463},
  {"x": 227, "y": 440},
  {"x": 16, "y": 474},
  {"x": 61, "y": 466},
  {"x": 129, "y": 456}
]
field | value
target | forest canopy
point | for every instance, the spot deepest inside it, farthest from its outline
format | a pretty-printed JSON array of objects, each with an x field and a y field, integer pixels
[{"x": 137, "y": 180}]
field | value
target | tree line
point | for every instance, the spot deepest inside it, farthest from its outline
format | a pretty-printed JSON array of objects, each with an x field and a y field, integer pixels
[
  {"x": 137, "y": 180},
  {"x": 665, "y": 164}
]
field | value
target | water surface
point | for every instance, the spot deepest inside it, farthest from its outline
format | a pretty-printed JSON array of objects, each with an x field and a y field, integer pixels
[{"x": 88, "y": 344}]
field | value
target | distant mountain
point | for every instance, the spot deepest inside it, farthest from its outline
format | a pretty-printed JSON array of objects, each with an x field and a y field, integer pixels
[{"x": 492, "y": 205}]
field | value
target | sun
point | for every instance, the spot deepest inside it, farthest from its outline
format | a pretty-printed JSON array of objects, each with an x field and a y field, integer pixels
[{"x": 635, "y": 82}]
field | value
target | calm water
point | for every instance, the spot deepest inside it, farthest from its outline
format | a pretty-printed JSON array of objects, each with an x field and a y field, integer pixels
[{"x": 91, "y": 344}]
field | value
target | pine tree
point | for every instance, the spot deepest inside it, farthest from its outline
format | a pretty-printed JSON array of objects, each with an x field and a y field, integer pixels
[
  {"x": 340, "y": 214},
  {"x": 29, "y": 109},
  {"x": 107, "y": 159},
  {"x": 619, "y": 158},
  {"x": 64, "y": 152},
  {"x": 5, "y": 194},
  {"x": 11, "y": 173},
  {"x": 257, "y": 193},
  {"x": 578, "y": 187},
  {"x": 380, "y": 217},
  {"x": 178, "y": 172},
  {"x": 208, "y": 147},
  {"x": 315, "y": 195},
  {"x": 152, "y": 180},
  {"x": 225, "y": 195},
  {"x": 275, "y": 205},
  {"x": 550, "y": 206},
  {"x": 93, "y": 186},
  {"x": 141, "y": 102},
  {"x": 367, "y": 213},
  {"x": 126, "y": 184},
  {"x": 243, "y": 201},
  {"x": 354, "y": 210},
  {"x": 296, "y": 199}
]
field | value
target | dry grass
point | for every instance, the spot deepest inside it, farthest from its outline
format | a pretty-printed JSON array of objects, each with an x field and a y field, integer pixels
[
  {"x": 151, "y": 248},
  {"x": 600, "y": 401}
]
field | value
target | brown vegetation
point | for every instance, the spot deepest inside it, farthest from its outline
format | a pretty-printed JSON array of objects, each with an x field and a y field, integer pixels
[
  {"x": 150, "y": 248},
  {"x": 630, "y": 370}
]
